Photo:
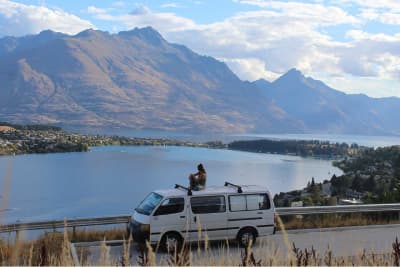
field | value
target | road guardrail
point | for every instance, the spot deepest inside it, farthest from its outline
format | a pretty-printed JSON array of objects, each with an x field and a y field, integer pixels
[
  {"x": 125, "y": 219},
  {"x": 21, "y": 226},
  {"x": 337, "y": 209}
]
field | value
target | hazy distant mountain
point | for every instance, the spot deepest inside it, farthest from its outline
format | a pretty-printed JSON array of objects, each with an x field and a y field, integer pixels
[
  {"x": 130, "y": 79},
  {"x": 325, "y": 110}
]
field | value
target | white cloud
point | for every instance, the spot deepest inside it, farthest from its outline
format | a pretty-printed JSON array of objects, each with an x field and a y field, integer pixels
[
  {"x": 371, "y": 55},
  {"x": 365, "y": 85},
  {"x": 313, "y": 13},
  {"x": 19, "y": 19},
  {"x": 171, "y": 5},
  {"x": 140, "y": 10},
  {"x": 393, "y": 5},
  {"x": 142, "y": 16},
  {"x": 385, "y": 17},
  {"x": 251, "y": 68},
  {"x": 390, "y": 18},
  {"x": 280, "y": 41}
]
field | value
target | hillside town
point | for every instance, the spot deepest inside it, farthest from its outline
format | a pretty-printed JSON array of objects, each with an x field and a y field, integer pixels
[{"x": 371, "y": 177}]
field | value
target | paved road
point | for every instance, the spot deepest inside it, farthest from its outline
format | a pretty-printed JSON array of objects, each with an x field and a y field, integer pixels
[{"x": 345, "y": 241}]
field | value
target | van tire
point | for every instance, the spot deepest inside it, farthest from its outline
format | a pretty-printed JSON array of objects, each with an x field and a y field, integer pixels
[
  {"x": 170, "y": 241},
  {"x": 246, "y": 235}
]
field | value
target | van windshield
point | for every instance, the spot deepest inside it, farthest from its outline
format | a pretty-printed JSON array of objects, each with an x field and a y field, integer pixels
[{"x": 147, "y": 206}]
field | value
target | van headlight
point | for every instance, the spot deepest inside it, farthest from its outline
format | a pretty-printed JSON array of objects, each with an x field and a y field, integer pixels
[{"x": 145, "y": 227}]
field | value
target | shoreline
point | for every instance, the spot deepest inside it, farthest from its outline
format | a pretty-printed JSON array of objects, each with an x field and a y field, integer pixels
[{"x": 38, "y": 139}]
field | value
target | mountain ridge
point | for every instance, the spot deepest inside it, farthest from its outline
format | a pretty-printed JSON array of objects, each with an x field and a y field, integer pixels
[
  {"x": 325, "y": 109},
  {"x": 134, "y": 79},
  {"x": 137, "y": 79}
]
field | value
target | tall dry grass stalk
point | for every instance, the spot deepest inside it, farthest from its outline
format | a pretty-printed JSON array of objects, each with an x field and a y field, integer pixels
[
  {"x": 281, "y": 226},
  {"x": 66, "y": 257},
  {"x": 30, "y": 256},
  {"x": 126, "y": 253},
  {"x": 104, "y": 254},
  {"x": 151, "y": 256}
]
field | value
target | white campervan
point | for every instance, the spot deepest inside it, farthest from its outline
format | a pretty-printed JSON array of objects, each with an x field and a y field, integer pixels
[{"x": 180, "y": 215}]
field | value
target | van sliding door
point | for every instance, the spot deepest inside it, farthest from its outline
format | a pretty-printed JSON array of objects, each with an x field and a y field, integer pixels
[{"x": 208, "y": 218}]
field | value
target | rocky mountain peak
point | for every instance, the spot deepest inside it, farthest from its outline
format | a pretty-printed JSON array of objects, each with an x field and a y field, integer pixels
[
  {"x": 147, "y": 34},
  {"x": 293, "y": 75},
  {"x": 91, "y": 33}
]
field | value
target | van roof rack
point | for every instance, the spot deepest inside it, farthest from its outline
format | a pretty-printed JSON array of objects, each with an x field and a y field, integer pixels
[
  {"x": 189, "y": 191},
  {"x": 239, "y": 188}
]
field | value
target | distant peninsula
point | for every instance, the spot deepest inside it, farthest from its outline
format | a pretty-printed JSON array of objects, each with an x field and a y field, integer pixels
[
  {"x": 304, "y": 148},
  {"x": 28, "y": 139}
]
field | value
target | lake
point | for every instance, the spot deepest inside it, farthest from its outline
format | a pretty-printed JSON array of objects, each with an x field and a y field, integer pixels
[{"x": 112, "y": 180}]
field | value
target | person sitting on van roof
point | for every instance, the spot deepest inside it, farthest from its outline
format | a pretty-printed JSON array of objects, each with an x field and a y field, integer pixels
[{"x": 198, "y": 180}]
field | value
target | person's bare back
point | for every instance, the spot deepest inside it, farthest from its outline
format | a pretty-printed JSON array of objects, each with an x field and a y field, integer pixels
[{"x": 198, "y": 180}]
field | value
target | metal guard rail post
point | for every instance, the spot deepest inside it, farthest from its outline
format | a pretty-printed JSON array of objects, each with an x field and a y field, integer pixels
[{"x": 125, "y": 219}]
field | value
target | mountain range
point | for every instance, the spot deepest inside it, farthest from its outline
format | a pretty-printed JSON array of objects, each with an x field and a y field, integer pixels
[{"x": 137, "y": 79}]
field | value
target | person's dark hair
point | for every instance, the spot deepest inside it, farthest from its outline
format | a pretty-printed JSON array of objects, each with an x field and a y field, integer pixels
[{"x": 200, "y": 168}]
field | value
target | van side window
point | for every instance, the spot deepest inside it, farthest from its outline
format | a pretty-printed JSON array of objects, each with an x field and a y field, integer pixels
[
  {"x": 209, "y": 204},
  {"x": 170, "y": 206},
  {"x": 249, "y": 202},
  {"x": 237, "y": 203}
]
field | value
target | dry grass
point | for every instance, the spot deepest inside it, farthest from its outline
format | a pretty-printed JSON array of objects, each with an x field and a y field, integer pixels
[
  {"x": 54, "y": 249},
  {"x": 265, "y": 255},
  {"x": 51, "y": 248},
  {"x": 97, "y": 235},
  {"x": 338, "y": 220}
]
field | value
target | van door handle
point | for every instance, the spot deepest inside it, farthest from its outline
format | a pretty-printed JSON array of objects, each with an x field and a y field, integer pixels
[
  {"x": 182, "y": 217},
  {"x": 260, "y": 212},
  {"x": 195, "y": 218}
]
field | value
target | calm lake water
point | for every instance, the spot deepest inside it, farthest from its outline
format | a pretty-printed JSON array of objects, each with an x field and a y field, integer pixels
[{"x": 112, "y": 180}]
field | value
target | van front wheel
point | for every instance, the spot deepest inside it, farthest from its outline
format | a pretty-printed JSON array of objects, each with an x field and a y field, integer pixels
[
  {"x": 171, "y": 241},
  {"x": 246, "y": 236}
]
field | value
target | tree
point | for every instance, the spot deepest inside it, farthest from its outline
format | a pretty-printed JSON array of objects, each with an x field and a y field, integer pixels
[
  {"x": 357, "y": 184},
  {"x": 370, "y": 184},
  {"x": 316, "y": 194}
]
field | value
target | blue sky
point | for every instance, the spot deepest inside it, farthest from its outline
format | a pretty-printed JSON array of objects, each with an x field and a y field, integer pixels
[{"x": 352, "y": 45}]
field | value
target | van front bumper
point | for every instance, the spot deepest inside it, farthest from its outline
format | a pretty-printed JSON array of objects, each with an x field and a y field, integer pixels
[{"x": 140, "y": 232}]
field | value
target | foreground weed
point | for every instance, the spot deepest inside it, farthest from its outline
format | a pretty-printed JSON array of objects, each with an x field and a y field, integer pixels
[
  {"x": 126, "y": 255},
  {"x": 104, "y": 254},
  {"x": 305, "y": 257},
  {"x": 182, "y": 258},
  {"x": 248, "y": 258},
  {"x": 396, "y": 252}
]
